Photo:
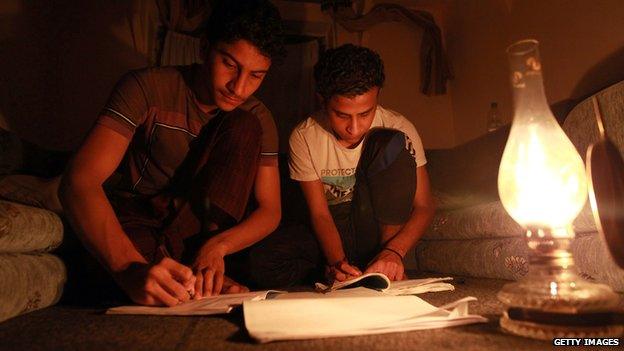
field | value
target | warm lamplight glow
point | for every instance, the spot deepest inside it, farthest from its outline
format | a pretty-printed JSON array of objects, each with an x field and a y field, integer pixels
[
  {"x": 541, "y": 180},
  {"x": 542, "y": 185}
]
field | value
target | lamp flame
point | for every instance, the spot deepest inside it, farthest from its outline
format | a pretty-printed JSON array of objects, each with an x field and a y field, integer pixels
[{"x": 541, "y": 180}]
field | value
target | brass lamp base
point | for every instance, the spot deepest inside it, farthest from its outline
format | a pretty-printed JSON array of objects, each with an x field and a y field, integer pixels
[{"x": 546, "y": 325}]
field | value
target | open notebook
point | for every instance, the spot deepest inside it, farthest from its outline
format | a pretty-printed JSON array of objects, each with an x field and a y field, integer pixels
[
  {"x": 380, "y": 282},
  {"x": 205, "y": 306}
]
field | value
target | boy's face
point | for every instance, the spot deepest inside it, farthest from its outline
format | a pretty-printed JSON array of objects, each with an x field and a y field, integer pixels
[
  {"x": 235, "y": 72},
  {"x": 351, "y": 117}
]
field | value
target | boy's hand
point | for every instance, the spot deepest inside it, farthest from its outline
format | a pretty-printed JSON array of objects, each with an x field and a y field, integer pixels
[
  {"x": 341, "y": 271},
  {"x": 164, "y": 283},
  {"x": 209, "y": 268},
  {"x": 388, "y": 263}
]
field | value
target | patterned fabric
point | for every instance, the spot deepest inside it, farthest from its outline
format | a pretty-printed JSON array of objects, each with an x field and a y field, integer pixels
[
  {"x": 447, "y": 201},
  {"x": 503, "y": 258},
  {"x": 29, "y": 282},
  {"x": 489, "y": 220},
  {"x": 580, "y": 124},
  {"x": 507, "y": 258},
  {"x": 28, "y": 229}
]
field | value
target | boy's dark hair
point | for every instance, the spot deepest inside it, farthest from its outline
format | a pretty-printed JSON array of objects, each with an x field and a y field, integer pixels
[
  {"x": 348, "y": 70},
  {"x": 257, "y": 21}
]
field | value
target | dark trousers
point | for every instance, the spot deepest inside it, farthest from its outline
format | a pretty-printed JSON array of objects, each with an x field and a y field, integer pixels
[
  {"x": 213, "y": 184},
  {"x": 384, "y": 190}
]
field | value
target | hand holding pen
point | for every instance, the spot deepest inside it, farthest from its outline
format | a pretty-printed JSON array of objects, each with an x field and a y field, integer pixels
[{"x": 167, "y": 282}]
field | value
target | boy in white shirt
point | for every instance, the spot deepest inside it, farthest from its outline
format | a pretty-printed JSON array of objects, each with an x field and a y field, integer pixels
[{"x": 362, "y": 171}]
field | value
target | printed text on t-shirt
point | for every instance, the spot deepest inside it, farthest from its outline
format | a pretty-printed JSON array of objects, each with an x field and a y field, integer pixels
[{"x": 338, "y": 172}]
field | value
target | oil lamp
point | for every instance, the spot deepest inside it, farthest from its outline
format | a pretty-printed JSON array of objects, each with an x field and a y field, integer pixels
[{"x": 542, "y": 185}]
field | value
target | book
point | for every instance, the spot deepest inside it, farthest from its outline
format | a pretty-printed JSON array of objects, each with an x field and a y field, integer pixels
[
  {"x": 313, "y": 317},
  {"x": 205, "y": 306},
  {"x": 380, "y": 282}
]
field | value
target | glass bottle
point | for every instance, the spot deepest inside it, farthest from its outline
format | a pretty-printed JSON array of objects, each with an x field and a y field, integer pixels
[{"x": 493, "y": 118}]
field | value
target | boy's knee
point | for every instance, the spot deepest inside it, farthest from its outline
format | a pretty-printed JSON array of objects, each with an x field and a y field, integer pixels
[
  {"x": 238, "y": 133},
  {"x": 382, "y": 137},
  {"x": 244, "y": 123},
  {"x": 383, "y": 147}
]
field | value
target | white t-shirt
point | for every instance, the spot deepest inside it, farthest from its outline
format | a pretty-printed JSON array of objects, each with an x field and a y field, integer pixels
[{"x": 316, "y": 154}]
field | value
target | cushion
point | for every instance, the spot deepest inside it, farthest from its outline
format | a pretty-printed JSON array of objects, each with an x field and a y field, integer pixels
[
  {"x": 507, "y": 258},
  {"x": 580, "y": 124},
  {"x": 28, "y": 229},
  {"x": 504, "y": 258},
  {"x": 29, "y": 282},
  {"x": 490, "y": 220}
]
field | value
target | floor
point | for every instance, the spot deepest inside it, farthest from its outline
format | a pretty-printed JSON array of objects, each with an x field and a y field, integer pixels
[{"x": 71, "y": 328}]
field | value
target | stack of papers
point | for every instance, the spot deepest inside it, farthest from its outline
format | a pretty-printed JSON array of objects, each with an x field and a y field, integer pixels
[
  {"x": 369, "y": 304},
  {"x": 375, "y": 282},
  {"x": 344, "y": 315}
]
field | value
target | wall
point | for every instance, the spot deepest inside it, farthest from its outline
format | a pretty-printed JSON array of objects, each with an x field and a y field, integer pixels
[
  {"x": 581, "y": 45},
  {"x": 58, "y": 63},
  {"x": 581, "y": 42},
  {"x": 432, "y": 115},
  {"x": 476, "y": 41}
]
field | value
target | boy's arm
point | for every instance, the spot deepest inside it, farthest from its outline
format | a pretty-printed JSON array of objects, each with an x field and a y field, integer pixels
[
  {"x": 326, "y": 232},
  {"x": 387, "y": 260},
  {"x": 92, "y": 217},
  {"x": 260, "y": 223}
]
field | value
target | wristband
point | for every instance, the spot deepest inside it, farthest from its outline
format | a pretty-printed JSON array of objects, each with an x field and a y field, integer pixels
[{"x": 394, "y": 251}]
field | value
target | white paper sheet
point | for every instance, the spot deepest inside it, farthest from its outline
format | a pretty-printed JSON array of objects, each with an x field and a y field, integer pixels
[
  {"x": 205, "y": 306},
  {"x": 309, "y": 318},
  {"x": 345, "y": 293},
  {"x": 419, "y": 286}
]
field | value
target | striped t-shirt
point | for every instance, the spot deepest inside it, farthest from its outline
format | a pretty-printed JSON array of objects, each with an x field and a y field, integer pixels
[{"x": 158, "y": 111}]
